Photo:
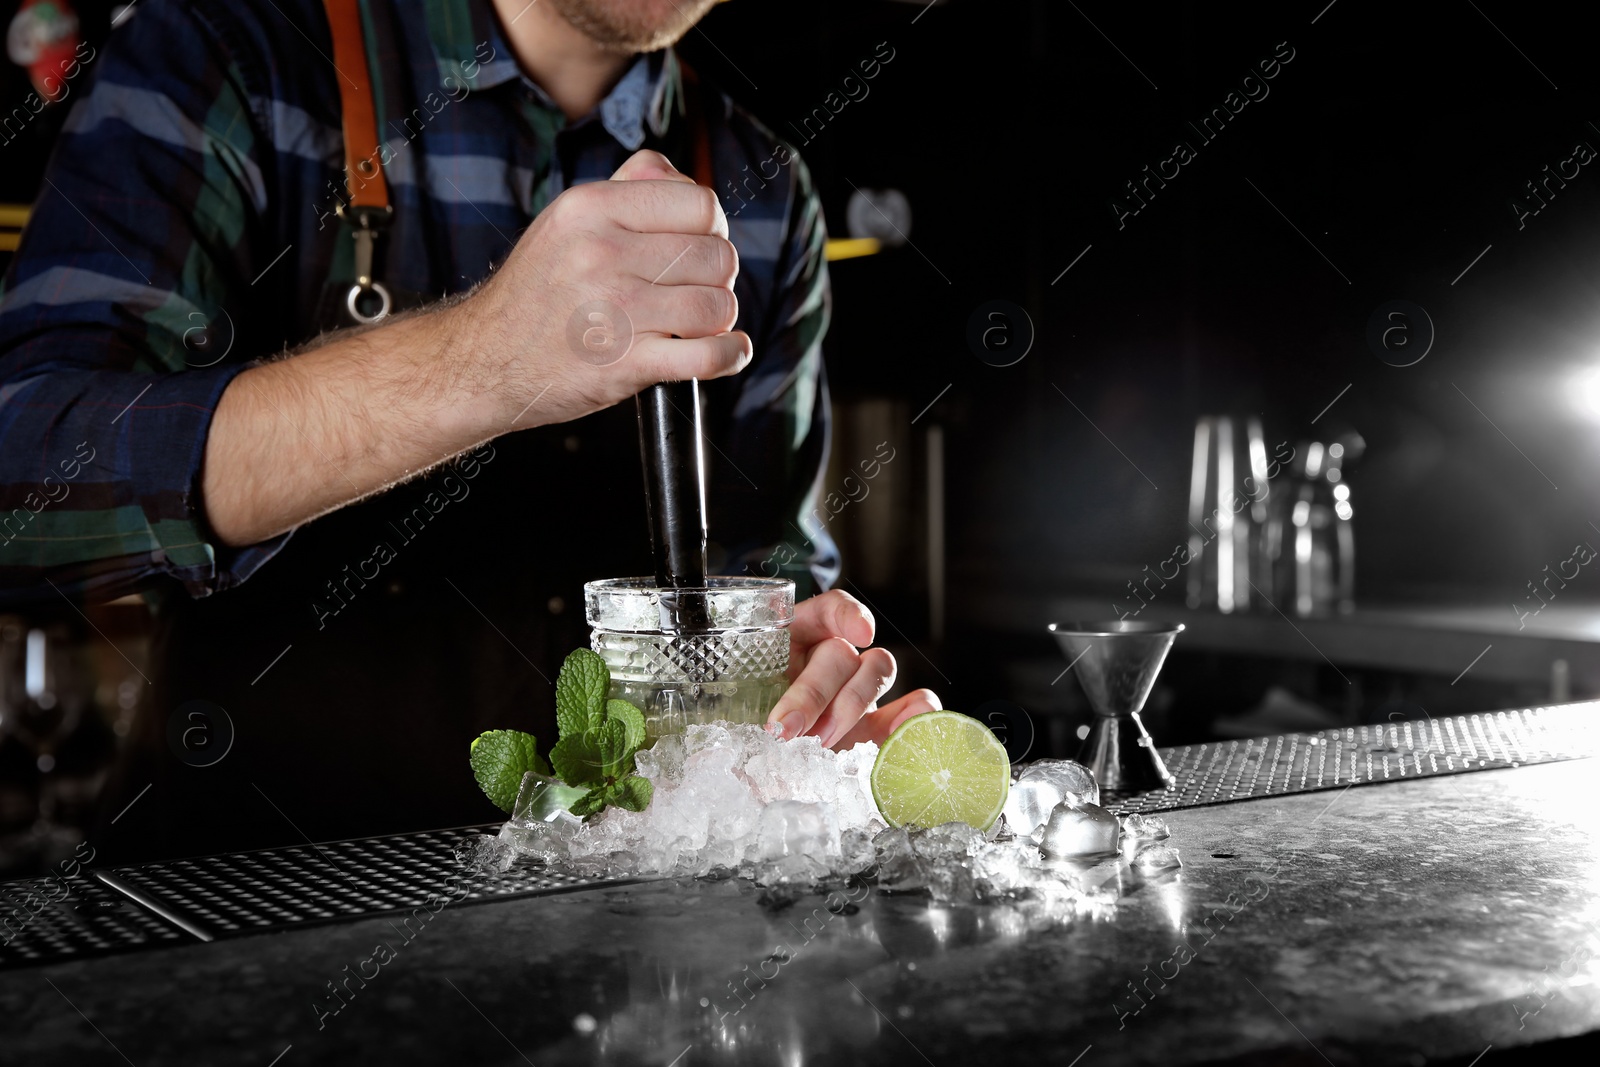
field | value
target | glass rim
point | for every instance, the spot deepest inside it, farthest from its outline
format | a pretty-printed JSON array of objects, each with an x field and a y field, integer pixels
[
  {"x": 1120, "y": 628},
  {"x": 732, "y": 603},
  {"x": 718, "y": 583}
]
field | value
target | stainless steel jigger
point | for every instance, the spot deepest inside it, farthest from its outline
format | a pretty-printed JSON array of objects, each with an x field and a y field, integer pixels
[{"x": 1117, "y": 664}]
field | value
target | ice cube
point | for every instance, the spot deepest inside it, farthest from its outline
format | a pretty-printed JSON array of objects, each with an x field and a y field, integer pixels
[
  {"x": 951, "y": 881},
  {"x": 899, "y": 867},
  {"x": 1088, "y": 830},
  {"x": 1029, "y": 804},
  {"x": 1156, "y": 858},
  {"x": 486, "y": 854},
  {"x": 701, "y": 737},
  {"x": 853, "y": 789},
  {"x": 541, "y": 798},
  {"x": 797, "y": 828},
  {"x": 943, "y": 860},
  {"x": 547, "y": 841},
  {"x": 1072, "y": 780},
  {"x": 1047, "y": 886},
  {"x": 1145, "y": 827},
  {"x": 1001, "y": 868},
  {"x": 948, "y": 842},
  {"x": 857, "y": 853},
  {"x": 540, "y": 825},
  {"x": 662, "y": 761},
  {"x": 857, "y": 762},
  {"x": 800, "y": 769}
]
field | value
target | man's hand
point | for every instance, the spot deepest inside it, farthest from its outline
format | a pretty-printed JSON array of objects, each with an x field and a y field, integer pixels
[
  {"x": 296, "y": 438},
  {"x": 650, "y": 243},
  {"x": 834, "y": 689}
]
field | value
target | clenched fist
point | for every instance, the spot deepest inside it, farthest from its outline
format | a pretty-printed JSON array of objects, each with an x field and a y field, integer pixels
[{"x": 616, "y": 286}]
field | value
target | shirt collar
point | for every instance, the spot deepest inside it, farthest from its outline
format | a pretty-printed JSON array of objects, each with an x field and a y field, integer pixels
[{"x": 471, "y": 50}]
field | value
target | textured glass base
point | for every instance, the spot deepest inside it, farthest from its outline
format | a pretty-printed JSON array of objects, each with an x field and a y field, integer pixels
[
  {"x": 669, "y": 657},
  {"x": 670, "y": 707}
]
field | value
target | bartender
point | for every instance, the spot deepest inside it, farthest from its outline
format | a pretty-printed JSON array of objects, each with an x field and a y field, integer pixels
[{"x": 355, "y": 420}]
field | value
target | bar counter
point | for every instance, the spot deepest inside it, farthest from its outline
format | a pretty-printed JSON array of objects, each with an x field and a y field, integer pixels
[{"x": 1415, "y": 921}]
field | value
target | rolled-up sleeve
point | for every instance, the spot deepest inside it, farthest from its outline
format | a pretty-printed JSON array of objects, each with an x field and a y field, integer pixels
[{"x": 118, "y": 321}]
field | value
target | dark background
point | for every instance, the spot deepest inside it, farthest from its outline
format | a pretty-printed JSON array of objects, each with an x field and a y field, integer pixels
[
  {"x": 1382, "y": 162},
  {"x": 1394, "y": 142}
]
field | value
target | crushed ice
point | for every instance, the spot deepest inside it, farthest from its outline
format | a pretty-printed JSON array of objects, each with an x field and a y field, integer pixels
[{"x": 733, "y": 798}]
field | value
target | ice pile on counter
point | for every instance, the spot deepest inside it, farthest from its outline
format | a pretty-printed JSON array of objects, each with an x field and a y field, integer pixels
[
  {"x": 735, "y": 798},
  {"x": 727, "y": 797}
]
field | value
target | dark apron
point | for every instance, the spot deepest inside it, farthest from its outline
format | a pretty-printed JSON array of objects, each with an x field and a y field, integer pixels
[{"x": 456, "y": 625}]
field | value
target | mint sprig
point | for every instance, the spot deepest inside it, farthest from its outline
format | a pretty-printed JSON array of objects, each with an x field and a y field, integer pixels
[{"x": 599, "y": 738}]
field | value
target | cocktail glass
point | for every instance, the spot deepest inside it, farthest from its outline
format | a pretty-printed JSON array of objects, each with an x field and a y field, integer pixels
[
  {"x": 730, "y": 667},
  {"x": 44, "y": 690},
  {"x": 1117, "y": 664}
]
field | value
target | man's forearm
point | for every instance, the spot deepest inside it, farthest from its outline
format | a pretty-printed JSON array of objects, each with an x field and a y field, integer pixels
[{"x": 299, "y": 437}]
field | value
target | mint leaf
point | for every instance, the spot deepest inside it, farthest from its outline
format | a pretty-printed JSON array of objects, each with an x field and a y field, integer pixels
[
  {"x": 633, "y": 793},
  {"x": 499, "y": 760},
  {"x": 577, "y": 758},
  {"x": 581, "y": 692},
  {"x": 611, "y": 742},
  {"x": 632, "y": 718},
  {"x": 591, "y": 802}
]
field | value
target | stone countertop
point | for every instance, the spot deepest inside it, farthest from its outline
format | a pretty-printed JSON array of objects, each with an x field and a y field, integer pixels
[{"x": 1403, "y": 923}]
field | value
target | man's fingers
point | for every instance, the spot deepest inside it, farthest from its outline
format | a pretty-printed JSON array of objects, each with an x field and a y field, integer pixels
[
  {"x": 645, "y": 165},
  {"x": 832, "y": 614},
  {"x": 832, "y": 664},
  {"x": 682, "y": 310},
  {"x": 682, "y": 259},
  {"x": 876, "y": 726},
  {"x": 653, "y": 205},
  {"x": 677, "y": 359},
  {"x": 874, "y": 677}
]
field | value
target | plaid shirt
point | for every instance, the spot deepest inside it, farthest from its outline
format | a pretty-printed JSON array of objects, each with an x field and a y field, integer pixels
[{"x": 186, "y": 228}]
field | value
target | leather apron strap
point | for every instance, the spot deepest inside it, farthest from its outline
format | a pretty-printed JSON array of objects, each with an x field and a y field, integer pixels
[
  {"x": 367, "y": 208},
  {"x": 699, "y": 137}
]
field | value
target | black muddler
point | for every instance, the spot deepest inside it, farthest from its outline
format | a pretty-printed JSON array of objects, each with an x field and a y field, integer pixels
[{"x": 675, "y": 499}]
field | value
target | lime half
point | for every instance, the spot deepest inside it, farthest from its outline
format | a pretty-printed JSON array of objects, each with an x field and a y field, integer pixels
[{"x": 941, "y": 767}]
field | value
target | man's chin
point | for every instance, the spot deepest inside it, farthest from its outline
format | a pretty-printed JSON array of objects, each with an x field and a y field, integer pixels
[{"x": 632, "y": 26}]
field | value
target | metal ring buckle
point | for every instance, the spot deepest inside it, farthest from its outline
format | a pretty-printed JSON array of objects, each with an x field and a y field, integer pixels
[{"x": 351, "y": 305}]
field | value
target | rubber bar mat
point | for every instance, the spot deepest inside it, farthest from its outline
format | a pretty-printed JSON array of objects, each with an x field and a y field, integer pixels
[
  {"x": 1220, "y": 771},
  {"x": 49, "y": 920}
]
